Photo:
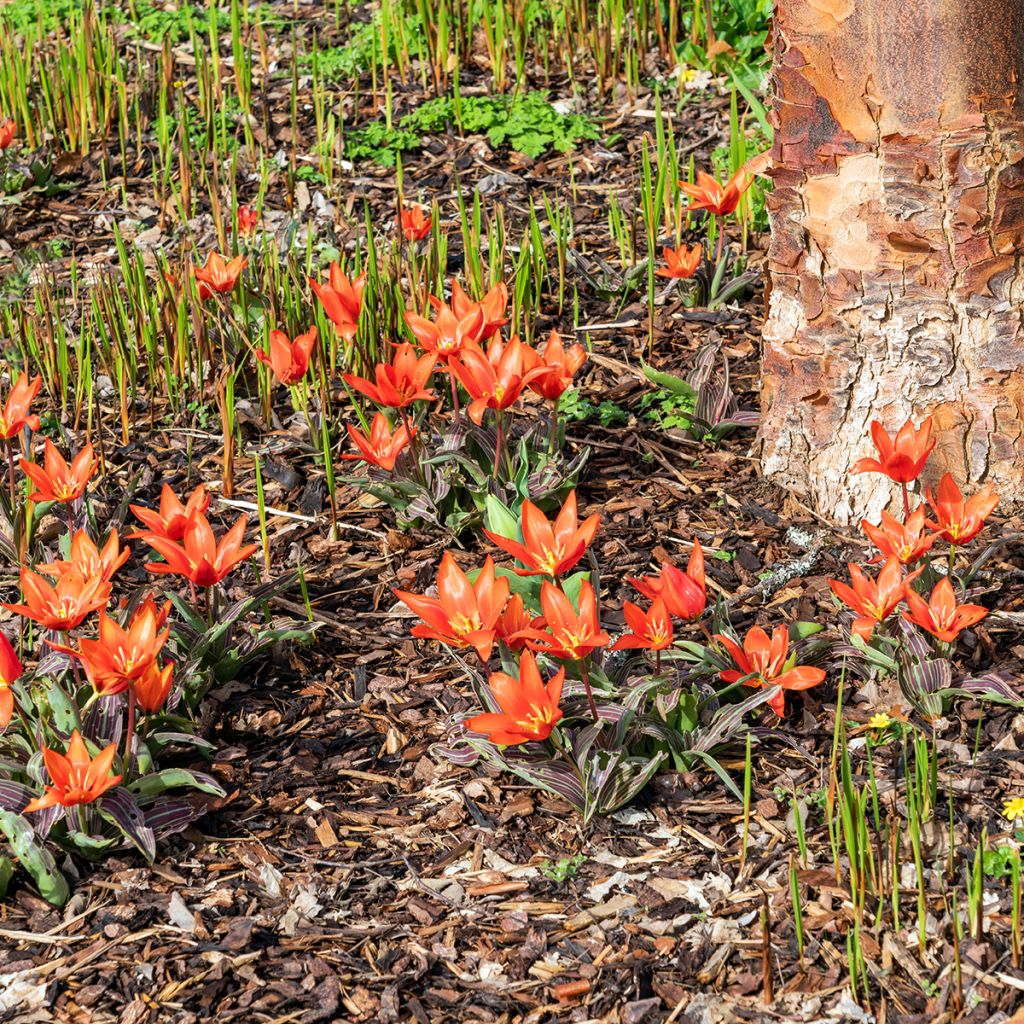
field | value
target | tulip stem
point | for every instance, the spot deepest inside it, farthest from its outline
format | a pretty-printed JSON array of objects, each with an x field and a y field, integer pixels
[
  {"x": 952, "y": 561},
  {"x": 12, "y": 483},
  {"x": 906, "y": 500},
  {"x": 590, "y": 691},
  {"x": 455, "y": 397},
  {"x": 498, "y": 445},
  {"x": 129, "y": 735},
  {"x": 553, "y": 435}
]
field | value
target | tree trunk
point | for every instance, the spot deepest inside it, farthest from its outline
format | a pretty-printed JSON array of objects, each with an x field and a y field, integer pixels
[{"x": 896, "y": 274}]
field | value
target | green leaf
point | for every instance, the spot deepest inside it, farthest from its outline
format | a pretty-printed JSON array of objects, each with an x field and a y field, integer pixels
[
  {"x": 169, "y": 778},
  {"x": 669, "y": 382},
  {"x": 34, "y": 858},
  {"x": 500, "y": 519}
]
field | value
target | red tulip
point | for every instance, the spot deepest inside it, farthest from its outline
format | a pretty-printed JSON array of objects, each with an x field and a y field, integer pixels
[
  {"x": 10, "y": 672},
  {"x": 529, "y": 708},
  {"x": 88, "y": 559},
  {"x": 248, "y": 221},
  {"x": 960, "y": 521},
  {"x": 511, "y": 623},
  {"x": 720, "y": 200},
  {"x": 64, "y": 605},
  {"x": 172, "y": 520},
  {"x": 446, "y": 336},
  {"x": 681, "y": 262},
  {"x": 16, "y": 415},
  {"x": 400, "y": 382},
  {"x": 549, "y": 549},
  {"x": 219, "y": 275},
  {"x": 382, "y": 447},
  {"x": 55, "y": 480},
  {"x": 491, "y": 306},
  {"x": 572, "y": 635},
  {"x": 684, "y": 593},
  {"x": 901, "y": 458},
  {"x": 8, "y": 129},
  {"x": 200, "y": 558},
  {"x": 495, "y": 380},
  {"x": 768, "y": 662},
  {"x": 650, "y": 630},
  {"x": 906, "y": 542},
  {"x": 342, "y": 300},
  {"x": 873, "y": 600},
  {"x": 463, "y": 614},
  {"x": 560, "y": 366},
  {"x": 415, "y": 224},
  {"x": 76, "y": 778},
  {"x": 940, "y": 615},
  {"x": 153, "y": 687},
  {"x": 289, "y": 360}
]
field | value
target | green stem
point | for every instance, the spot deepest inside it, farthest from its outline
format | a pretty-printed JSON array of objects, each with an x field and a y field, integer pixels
[{"x": 590, "y": 692}]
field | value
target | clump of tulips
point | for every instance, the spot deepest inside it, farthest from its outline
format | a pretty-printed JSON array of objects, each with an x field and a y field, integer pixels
[
  {"x": 906, "y": 618},
  {"x": 97, "y": 683},
  {"x": 571, "y": 710}
]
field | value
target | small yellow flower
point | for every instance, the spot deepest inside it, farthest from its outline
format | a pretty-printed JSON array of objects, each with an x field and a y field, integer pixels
[
  {"x": 879, "y": 720},
  {"x": 1013, "y": 809}
]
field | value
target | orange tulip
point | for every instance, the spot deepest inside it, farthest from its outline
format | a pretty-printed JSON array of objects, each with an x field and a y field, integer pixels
[
  {"x": 153, "y": 687},
  {"x": 55, "y": 480},
  {"x": 463, "y": 614},
  {"x": 650, "y": 630},
  {"x": 218, "y": 275},
  {"x": 289, "y": 360},
  {"x": 529, "y": 708},
  {"x": 960, "y": 521},
  {"x": 15, "y": 416},
  {"x": 342, "y": 300},
  {"x": 511, "y": 623},
  {"x": 121, "y": 656},
  {"x": 415, "y": 223},
  {"x": 200, "y": 558},
  {"x": 549, "y": 549},
  {"x": 248, "y": 221},
  {"x": 769, "y": 663},
  {"x": 8, "y": 130},
  {"x": 382, "y": 447},
  {"x": 684, "y": 593},
  {"x": 172, "y": 520},
  {"x": 720, "y": 200},
  {"x": 904, "y": 541},
  {"x": 64, "y": 605},
  {"x": 447, "y": 335},
  {"x": 88, "y": 559},
  {"x": 681, "y": 262},
  {"x": 76, "y": 778},
  {"x": 940, "y": 615},
  {"x": 572, "y": 635},
  {"x": 10, "y": 672},
  {"x": 495, "y": 380},
  {"x": 901, "y": 458},
  {"x": 560, "y": 368},
  {"x": 491, "y": 306},
  {"x": 400, "y": 382},
  {"x": 873, "y": 600}
]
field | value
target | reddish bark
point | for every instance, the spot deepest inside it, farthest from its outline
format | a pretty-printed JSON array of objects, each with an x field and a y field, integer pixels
[{"x": 897, "y": 223}]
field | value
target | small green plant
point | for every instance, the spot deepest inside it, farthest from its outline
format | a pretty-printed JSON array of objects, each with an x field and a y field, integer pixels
[{"x": 562, "y": 869}]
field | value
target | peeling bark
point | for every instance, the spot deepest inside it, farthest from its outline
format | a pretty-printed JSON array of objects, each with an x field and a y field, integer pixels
[{"x": 897, "y": 224}]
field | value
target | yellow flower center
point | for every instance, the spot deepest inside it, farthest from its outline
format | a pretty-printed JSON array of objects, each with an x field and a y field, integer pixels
[{"x": 541, "y": 716}]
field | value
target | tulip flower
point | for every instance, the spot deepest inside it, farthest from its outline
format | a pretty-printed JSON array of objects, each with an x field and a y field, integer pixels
[
  {"x": 248, "y": 221},
  {"x": 400, "y": 382},
  {"x": 529, "y": 707},
  {"x": 289, "y": 360},
  {"x": 15, "y": 416},
  {"x": 172, "y": 519},
  {"x": 769, "y": 663},
  {"x": 549, "y": 549},
  {"x": 684, "y": 593},
  {"x": 720, "y": 200},
  {"x": 55, "y": 480},
  {"x": 447, "y": 335},
  {"x": 8, "y": 129},
  {"x": 905, "y": 541},
  {"x": 153, "y": 687},
  {"x": 200, "y": 558},
  {"x": 77, "y": 778},
  {"x": 492, "y": 307},
  {"x": 10, "y": 672},
  {"x": 342, "y": 300},
  {"x": 88, "y": 559},
  {"x": 650, "y": 630},
  {"x": 901, "y": 458},
  {"x": 571, "y": 635},
  {"x": 959, "y": 521},
  {"x": 65, "y": 604},
  {"x": 940, "y": 615},
  {"x": 873, "y": 600},
  {"x": 382, "y": 447},
  {"x": 511, "y": 623},
  {"x": 120, "y": 656},
  {"x": 495, "y": 380},
  {"x": 463, "y": 614},
  {"x": 681, "y": 262},
  {"x": 415, "y": 223},
  {"x": 218, "y": 275},
  {"x": 560, "y": 368}
]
